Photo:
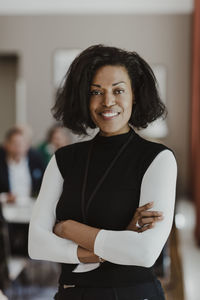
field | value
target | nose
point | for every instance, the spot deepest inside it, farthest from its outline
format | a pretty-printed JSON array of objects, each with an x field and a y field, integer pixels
[{"x": 108, "y": 99}]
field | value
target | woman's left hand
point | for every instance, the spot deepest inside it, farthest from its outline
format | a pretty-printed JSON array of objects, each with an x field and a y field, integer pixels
[{"x": 144, "y": 219}]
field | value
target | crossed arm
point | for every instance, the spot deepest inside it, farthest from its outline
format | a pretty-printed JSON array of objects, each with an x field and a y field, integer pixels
[
  {"x": 85, "y": 235},
  {"x": 75, "y": 242}
]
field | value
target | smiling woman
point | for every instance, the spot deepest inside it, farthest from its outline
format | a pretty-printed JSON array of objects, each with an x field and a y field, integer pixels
[{"x": 100, "y": 208}]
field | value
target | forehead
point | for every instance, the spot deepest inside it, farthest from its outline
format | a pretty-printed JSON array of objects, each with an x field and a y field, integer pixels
[
  {"x": 16, "y": 137},
  {"x": 111, "y": 74}
]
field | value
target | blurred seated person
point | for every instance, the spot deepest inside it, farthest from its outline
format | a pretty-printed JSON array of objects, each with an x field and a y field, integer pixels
[
  {"x": 21, "y": 172},
  {"x": 21, "y": 167},
  {"x": 57, "y": 137}
]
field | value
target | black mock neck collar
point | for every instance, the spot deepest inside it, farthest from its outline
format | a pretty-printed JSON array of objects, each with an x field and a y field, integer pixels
[{"x": 118, "y": 138}]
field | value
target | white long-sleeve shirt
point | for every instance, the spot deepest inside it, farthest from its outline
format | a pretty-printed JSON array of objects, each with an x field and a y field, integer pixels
[{"x": 120, "y": 247}]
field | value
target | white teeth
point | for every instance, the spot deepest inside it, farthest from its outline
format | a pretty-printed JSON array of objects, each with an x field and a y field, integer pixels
[{"x": 109, "y": 114}]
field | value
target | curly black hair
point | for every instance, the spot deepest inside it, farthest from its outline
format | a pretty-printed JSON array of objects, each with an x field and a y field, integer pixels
[{"x": 71, "y": 107}]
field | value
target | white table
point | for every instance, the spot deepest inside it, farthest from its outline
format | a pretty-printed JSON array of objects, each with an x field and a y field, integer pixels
[{"x": 19, "y": 212}]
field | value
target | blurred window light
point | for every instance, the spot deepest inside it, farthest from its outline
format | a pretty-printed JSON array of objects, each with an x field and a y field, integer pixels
[
  {"x": 61, "y": 61},
  {"x": 180, "y": 221},
  {"x": 158, "y": 128}
]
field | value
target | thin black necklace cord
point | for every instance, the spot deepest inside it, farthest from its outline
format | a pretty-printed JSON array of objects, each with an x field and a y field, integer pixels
[
  {"x": 85, "y": 182},
  {"x": 85, "y": 210}
]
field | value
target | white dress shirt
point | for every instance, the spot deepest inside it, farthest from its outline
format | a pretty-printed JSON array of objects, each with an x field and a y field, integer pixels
[{"x": 19, "y": 177}]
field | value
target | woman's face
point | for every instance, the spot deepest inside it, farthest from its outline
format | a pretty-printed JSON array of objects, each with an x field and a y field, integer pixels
[{"x": 111, "y": 100}]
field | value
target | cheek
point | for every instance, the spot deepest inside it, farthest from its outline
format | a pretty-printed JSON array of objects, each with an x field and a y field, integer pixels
[
  {"x": 92, "y": 109},
  {"x": 126, "y": 104},
  {"x": 92, "y": 106}
]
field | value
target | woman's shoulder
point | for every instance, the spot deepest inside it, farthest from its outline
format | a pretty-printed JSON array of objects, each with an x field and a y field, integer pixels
[
  {"x": 151, "y": 150},
  {"x": 65, "y": 156},
  {"x": 71, "y": 148},
  {"x": 147, "y": 146},
  {"x": 69, "y": 151}
]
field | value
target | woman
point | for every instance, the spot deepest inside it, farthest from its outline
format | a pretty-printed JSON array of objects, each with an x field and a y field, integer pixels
[
  {"x": 57, "y": 137},
  {"x": 105, "y": 208}
]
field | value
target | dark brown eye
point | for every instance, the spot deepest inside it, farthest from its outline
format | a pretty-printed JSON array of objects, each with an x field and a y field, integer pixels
[
  {"x": 119, "y": 91},
  {"x": 95, "y": 92}
]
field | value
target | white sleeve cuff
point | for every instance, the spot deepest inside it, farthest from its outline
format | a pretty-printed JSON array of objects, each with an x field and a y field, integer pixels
[
  {"x": 99, "y": 243},
  {"x": 74, "y": 254}
]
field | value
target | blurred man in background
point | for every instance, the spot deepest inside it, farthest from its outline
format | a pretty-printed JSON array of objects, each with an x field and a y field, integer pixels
[{"x": 21, "y": 167}]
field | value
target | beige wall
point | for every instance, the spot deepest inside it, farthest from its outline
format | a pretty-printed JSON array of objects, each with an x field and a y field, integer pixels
[{"x": 164, "y": 39}]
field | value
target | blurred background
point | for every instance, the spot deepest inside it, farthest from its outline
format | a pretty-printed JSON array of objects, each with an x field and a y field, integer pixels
[{"x": 38, "y": 41}]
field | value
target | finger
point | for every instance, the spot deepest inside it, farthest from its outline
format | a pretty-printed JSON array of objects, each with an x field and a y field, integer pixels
[
  {"x": 151, "y": 213},
  {"x": 147, "y": 227},
  {"x": 145, "y": 221},
  {"x": 145, "y": 207}
]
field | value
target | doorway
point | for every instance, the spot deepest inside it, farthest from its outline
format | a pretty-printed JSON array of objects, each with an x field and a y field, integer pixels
[{"x": 8, "y": 77}]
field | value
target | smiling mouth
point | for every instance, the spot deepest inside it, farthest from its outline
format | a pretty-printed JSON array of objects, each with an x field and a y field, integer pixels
[{"x": 109, "y": 115}]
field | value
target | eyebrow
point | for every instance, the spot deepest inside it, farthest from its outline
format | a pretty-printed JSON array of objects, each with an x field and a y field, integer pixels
[{"x": 98, "y": 85}]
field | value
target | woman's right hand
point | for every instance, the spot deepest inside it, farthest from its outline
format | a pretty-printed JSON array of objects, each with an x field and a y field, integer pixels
[
  {"x": 86, "y": 256},
  {"x": 144, "y": 218}
]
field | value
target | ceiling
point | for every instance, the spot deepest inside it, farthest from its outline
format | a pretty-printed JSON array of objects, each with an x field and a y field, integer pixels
[{"x": 52, "y": 7}]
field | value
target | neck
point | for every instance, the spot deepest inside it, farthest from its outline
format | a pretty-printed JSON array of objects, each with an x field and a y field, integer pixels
[
  {"x": 15, "y": 158},
  {"x": 107, "y": 134}
]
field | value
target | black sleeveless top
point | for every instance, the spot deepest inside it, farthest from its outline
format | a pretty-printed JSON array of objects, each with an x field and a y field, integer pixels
[{"x": 114, "y": 204}]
